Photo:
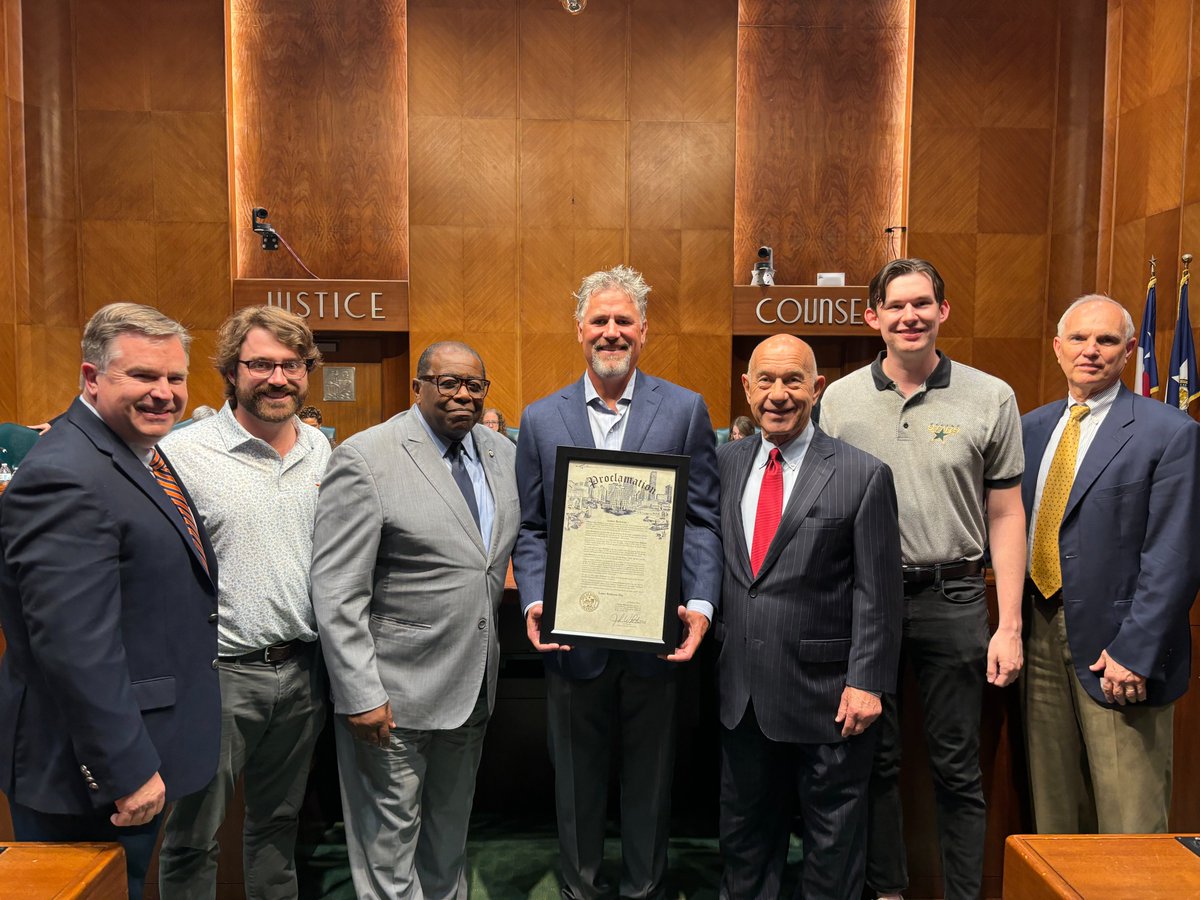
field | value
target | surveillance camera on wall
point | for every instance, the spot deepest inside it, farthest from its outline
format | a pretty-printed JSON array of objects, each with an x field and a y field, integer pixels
[
  {"x": 263, "y": 228},
  {"x": 763, "y": 273}
]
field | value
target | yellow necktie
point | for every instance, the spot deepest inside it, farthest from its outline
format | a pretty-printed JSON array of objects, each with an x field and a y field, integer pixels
[{"x": 1045, "y": 567}]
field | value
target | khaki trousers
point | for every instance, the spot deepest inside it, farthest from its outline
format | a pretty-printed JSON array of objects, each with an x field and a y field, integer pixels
[{"x": 1091, "y": 769}]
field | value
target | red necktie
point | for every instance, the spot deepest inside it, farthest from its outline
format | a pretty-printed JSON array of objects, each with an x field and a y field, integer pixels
[
  {"x": 166, "y": 480},
  {"x": 770, "y": 507}
]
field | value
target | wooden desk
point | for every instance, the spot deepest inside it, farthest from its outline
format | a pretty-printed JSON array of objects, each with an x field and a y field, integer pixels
[
  {"x": 1110, "y": 866},
  {"x": 63, "y": 871}
]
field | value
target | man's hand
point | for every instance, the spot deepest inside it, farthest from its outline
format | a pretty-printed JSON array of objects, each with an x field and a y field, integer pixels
[
  {"x": 1005, "y": 657},
  {"x": 372, "y": 726},
  {"x": 1119, "y": 684},
  {"x": 142, "y": 805},
  {"x": 857, "y": 710},
  {"x": 533, "y": 628},
  {"x": 695, "y": 624}
]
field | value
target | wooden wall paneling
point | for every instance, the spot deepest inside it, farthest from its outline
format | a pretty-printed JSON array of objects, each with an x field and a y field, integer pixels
[
  {"x": 944, "y": 179},
  {"x": 118, "y": 263},
  {"x": 47, "y": 370},
  {"x": 1014, "y": 361},
  {"x": 116, "y": 164},
  {"x": 1014, "y": 179},
  {"x": 824, "y": 13},
  {"x": 683, "y": 63},
  {"x": 819, "y": 188},
  {"x": 206, "y": 387},
  {"x": 1185, "y": 792},
  {"x": 187, "y": 56},
  {"x": 1010, "y": 285},
  {"x": 190, "y": 171},
  {"x": 53, "y": 297},
  {"x": 464, "y": 60},
  {"x": 436, "y": 285},
  {"x": 193, "y": 271},
  {"x": 333, "y": 80},
  {"x": 112, "y": 50},
  {"x": 573, "y": 67},
  {"x": 502, "y": 363}
]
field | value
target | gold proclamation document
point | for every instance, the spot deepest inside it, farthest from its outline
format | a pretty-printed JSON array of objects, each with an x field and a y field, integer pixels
[{"x": 615, "y": 549}]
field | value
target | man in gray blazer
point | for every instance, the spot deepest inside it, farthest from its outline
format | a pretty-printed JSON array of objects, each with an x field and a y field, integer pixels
[
  {"x": 415, "y": 524},
  {"x": 809, "y": 627}
]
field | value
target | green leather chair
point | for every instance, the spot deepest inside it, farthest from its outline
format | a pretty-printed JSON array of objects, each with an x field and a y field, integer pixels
[{"x": 15, "y": 441}]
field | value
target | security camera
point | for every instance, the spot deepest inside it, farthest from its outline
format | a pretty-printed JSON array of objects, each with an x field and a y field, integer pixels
[
  {"x": 763, "y": 273},
  {"x": 260, "y": 225}
]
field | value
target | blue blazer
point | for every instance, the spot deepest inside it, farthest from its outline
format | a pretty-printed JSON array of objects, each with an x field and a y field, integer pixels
[
  {"x": 824, "y": 610},
  {"x": 110, "y": 620},
  {"x": 663, "y": 418},
  {"x": 1128, "y": 541}
]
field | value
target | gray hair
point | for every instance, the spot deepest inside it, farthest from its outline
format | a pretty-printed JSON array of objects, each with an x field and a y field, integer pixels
[
  {"x": 621, "y": 278},
  {"x": 116, "y": 319},
  {"x": 1130, "y": 331}
]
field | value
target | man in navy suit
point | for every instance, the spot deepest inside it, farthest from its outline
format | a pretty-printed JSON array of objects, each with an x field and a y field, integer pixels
[
  {"x": 1113, "y": 495},
  {"x": 109, "y": 700},
  {"x": 809, "y": 631},
  {"x": 590, "y": 691}
]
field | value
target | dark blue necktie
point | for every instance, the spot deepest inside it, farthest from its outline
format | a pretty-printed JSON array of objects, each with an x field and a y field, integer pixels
[{"x": 459, "y": 470}]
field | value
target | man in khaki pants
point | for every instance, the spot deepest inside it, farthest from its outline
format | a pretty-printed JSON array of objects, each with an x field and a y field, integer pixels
[{"x": 1112, "y": 489}]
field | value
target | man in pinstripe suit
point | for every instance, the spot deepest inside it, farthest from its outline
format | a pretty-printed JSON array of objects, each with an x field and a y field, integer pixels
[{"x": 809, "y": 630}]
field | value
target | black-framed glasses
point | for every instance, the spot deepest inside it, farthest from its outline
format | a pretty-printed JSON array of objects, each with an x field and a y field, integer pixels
[
  {"x": 264, "y": 368},
  {"x": 449, "y": 385}
]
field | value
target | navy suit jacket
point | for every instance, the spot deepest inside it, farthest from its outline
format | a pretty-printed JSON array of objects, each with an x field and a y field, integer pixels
[
  {"x": 824, "y": 610},
  {"x": 1128, "y": 540},
  {"x": 110, "y": 621},
  {"x": 663, "y": 418}
]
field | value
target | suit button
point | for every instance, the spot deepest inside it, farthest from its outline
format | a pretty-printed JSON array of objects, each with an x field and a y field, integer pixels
[
  {"x": 482, "y": 624},
  {"x": 214, "y": 663},
  {"x": 84, "y": 770},
  {"x": 212, "y": 617},
  {"x": 92, "y": 786},
  {"x": 753, "y": 594}
]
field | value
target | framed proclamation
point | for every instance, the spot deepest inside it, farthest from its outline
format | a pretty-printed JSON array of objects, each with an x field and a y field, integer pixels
[{"x": 615, "y": 550}]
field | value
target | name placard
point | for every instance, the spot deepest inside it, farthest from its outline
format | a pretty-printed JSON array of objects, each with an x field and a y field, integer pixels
[
  {"x": 330, "y": 305},
  {"x": 804, "y": 309}
]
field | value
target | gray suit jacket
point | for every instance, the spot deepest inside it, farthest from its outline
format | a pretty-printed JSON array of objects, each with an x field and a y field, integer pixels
[
  {"x": 405, "y": 592},
  {"x": 824, "y": 610}
]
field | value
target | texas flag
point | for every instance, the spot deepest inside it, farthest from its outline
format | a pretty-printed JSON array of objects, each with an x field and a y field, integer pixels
[
  {"x": 1182, "y": 385},
  {"x": 1145, "y": 381}
]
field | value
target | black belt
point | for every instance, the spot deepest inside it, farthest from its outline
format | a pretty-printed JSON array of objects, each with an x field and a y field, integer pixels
[
  {"x": 274, "y": 654},
  {"x": 941, "y": 571}
]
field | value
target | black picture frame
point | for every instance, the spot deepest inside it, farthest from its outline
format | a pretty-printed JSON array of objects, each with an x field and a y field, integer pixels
[{"x": 613, "y": 507}]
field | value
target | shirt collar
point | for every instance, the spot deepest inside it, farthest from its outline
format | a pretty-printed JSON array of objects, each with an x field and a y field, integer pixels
[
  {"x": 1098, "y": 402},
  {"x": 468, "y": 441},
  {"x": 792, "y": 452},
  {"x": 235, "y": 436},
  {"x": 938, "y": 378},
  {"x": 590, "y": 394}
]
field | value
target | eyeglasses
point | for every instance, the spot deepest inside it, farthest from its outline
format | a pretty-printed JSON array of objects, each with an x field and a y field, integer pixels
[
  {"x": 449, "y": 385},
  {"x": 264, "y": 368}
]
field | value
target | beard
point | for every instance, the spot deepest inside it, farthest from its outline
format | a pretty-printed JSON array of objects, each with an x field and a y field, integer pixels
[
  {"x": 270, "y": 403},
  {"x": 616, "y": 368}
]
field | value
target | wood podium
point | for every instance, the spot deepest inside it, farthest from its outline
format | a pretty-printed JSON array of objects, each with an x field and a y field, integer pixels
[
  {"x": 1054, "y": 866},
  {"x": 63, "y": 871}
]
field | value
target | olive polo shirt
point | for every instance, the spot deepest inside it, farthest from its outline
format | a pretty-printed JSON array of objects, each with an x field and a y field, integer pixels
[{"x": 955, "y": 436}]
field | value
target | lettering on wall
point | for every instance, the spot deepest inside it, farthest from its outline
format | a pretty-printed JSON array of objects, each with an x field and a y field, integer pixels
[
  {"x": 812, "y": 309},
  {"x": 331, "y": 305}
]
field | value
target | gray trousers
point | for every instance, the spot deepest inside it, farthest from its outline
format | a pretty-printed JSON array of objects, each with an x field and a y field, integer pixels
[
  {"x": 407, "y": 807},
  {"x": 271, "y": 716}
]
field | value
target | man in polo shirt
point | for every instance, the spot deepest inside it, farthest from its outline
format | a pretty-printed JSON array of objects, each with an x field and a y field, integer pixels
[
  {"x": 951, "y": 435},
  {"x": 254, "y": 469}
]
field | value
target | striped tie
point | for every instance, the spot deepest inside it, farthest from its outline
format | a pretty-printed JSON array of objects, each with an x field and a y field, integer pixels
[{"x": 166, "y": 480}]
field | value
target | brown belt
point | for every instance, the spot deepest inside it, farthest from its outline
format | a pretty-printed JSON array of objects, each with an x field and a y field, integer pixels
[
  {"x": 941, "y": 571},
  {"x": 274, "y": 654}
]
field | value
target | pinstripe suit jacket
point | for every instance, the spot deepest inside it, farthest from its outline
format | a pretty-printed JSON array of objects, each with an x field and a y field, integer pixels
[
  {"x": 405, "y": 591},
  {"x": 825, "y": 609}
]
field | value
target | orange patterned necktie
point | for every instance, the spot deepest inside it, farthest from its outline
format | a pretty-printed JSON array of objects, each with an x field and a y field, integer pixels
[{"x": 166, "y": 480}]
